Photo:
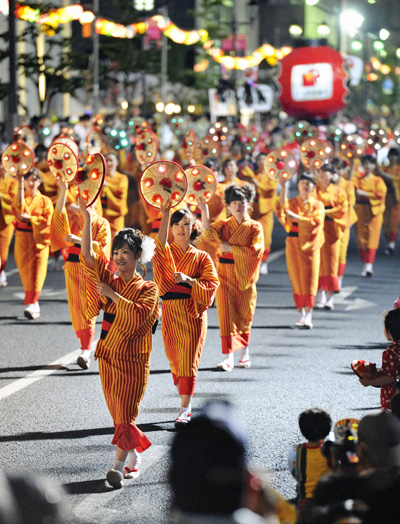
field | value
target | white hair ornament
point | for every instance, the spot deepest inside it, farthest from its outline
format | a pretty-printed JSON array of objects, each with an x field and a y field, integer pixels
[{"x": 148, "y": 249}]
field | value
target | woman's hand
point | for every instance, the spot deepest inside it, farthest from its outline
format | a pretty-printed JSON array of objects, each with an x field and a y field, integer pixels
[
  {"x": 225, "y": 247},
  {"x": 365, "y": 381},
  {"x": 165, "y": 206},
  {"x": 291, "y": 215},
  {"x": 201, "y": 203},
  {"x": 85, "y": 211},
  {"x": 73, "y": 208},
  {"x": 73, "y": 238},
  {"x": 105, "y": 290},
  {"x": 23, "y": 217},
  {"x": 182, "y": 278}
]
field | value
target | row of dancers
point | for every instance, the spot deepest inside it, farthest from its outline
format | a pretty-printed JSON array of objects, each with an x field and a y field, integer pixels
[{"x": 100, "y": 272}]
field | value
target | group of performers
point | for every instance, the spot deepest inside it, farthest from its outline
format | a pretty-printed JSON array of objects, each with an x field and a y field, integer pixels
[{"x": 101, "y": 257}]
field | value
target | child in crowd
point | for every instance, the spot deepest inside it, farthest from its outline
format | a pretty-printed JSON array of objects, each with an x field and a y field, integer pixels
[
  {"x": 390, "y": 360},
  {"x": 306, "y": 461}
]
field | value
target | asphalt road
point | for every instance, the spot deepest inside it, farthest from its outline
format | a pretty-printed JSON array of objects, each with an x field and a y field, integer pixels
[{"x": 54, "y": 420}]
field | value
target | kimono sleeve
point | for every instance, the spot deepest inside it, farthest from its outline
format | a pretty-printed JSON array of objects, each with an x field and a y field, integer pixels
[
  {"x": 41, "y": 223},
  {"x": 247, "y": 258},
  {"x": 377, "y": 196},
  {"x": 136, "y": 318},
  {"x": 163, "y": 267},
  {"x": 59, "y": 228},
  {"x": 205, "y": 286},
  {"x": 281, "y": 215},
  {"x": 102, "y": 237},
  {"x": 93, "y": 275},
  {"x": 214, "y": 235}
]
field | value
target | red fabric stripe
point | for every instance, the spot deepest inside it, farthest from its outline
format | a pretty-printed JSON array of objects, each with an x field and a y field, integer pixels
[
  {"x": 129, "y": 436},
  {"x": 24, "y": 226},
  {"x": 106, "y": 325},
  {"x": 294, "y": 229},
  {"x": 342, "y": 268},
  {"x": 266, "y": 254},
  {"x": 229, "y": 256},
  {"x": 73, "y": 250},
  {"x": 186, "y": 385},
  {"x": 180, "y": 289},
  {"x": 370, "y": 256},
  {"x": 231, "y": 343},
  {"x": 329, "y": 283}
]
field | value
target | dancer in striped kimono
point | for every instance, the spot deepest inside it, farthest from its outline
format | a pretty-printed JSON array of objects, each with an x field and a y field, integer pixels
[
  {"x": 32, "y": 238},
  {"x": 130, "y": 306},
  {"x": 187, "y": 280},
  {"x": 65, "y": 234},
  {"x": 241, "y": 243}
]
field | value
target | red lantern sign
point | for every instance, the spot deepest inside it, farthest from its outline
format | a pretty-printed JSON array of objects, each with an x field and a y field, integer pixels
[{"x": 313, "y": 82}]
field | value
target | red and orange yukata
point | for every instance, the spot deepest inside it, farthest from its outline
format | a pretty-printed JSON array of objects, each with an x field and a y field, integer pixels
[
  {"x": 303, "y": 247},
  {"x": 391, "y": 217},
  {"x": 350, "y": 219},
  {"x": 64, "y": 224},
  {"x": 238, "y": 273},
  {"x": 334, "y": 200},
  {"x": 264, "y": 206},
  {"x": 32, "y": 239},
  {"x": 184, "y": 308},
  {"x": 114, "y": 201},
  {"x": 124, "y": 347},
  {"x": 370, "y": 214},
  {"x": 8, "y": 190}
]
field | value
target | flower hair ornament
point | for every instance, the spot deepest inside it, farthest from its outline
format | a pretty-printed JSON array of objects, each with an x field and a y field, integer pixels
[{"x": 148, "y": 249}]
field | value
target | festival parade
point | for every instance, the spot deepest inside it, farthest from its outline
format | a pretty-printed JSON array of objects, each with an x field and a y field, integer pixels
[{"x": 199, "y": 265}]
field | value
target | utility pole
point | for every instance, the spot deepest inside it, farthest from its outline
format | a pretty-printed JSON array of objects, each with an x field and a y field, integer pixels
[
  {"x": 96, "y": 86},
  {"x": 164, "y": 76},
  {"x": 12, "y": 120}
]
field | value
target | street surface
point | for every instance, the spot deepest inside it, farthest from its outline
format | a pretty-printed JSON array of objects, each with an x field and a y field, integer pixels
[{"x": 54, "y": 420}]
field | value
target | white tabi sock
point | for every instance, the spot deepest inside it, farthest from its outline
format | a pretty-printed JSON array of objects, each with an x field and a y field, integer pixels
[
  {"x": 134, "y": 459},
  {"x": 119, "y": 465},
  {"x": 244, "y": 354}
]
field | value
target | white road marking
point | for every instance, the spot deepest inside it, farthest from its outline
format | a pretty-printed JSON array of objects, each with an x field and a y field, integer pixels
[
  {"x": 98, "y": 509},
  {"x": 12, "y": 271},
  {"x": 47, "y": 292},
  {"x": 352, "y": 304},
  {"x": 33, "y": 377},
  {"x": 275, "y": 255}
]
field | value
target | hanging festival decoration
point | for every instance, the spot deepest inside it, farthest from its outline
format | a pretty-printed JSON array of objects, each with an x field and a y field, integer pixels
[
  {"x": 207, "y": 147},
  {"x": 312, "y": 81}
]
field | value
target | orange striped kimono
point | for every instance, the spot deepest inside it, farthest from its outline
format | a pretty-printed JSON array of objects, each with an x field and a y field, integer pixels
[
  {"x": 63, "y": 224},
  {"x": 391, "y": 217},
  {"x": 114, "y": 201},
  {"x": 350, "y": 220},
  {"x": 370, "y": 214},
  {"x": 216, "y": 207},
  {"x": 184, "y": 308},
  {"x": 124, "y": 347},
  {"x": 8, "y": 190},
  {"x": 303, "y": 247},
  {"x": 238, "y": 273},
  {"x": 264, "y": 205},
  {"x": 32, "y": 239},
  {"x": 335, "y": 203}
]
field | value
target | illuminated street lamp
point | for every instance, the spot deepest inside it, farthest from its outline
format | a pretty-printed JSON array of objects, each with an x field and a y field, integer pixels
[
  {"x": 350, "y": 21},
  {"x": 312, "y": 2},
  {"x": 324, "y": 29},
  {"x": 378, "y": 45},
  {"x": 295, "y": 30},
  {"x": 384, "y": 34},
  {"x": 356, "y": 45}
]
